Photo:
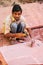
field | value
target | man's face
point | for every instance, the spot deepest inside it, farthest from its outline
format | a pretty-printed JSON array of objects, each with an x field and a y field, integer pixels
[{"x": 17, "y": 15}]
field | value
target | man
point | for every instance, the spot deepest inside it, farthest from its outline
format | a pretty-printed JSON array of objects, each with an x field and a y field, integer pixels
[{"x": 15, "y": 23}]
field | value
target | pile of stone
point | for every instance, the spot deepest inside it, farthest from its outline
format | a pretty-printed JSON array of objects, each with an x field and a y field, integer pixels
[
  {"x": 12, "y": 2},
  {"x": 30, "y": 1},
  {"x": 7, "y": 2}
]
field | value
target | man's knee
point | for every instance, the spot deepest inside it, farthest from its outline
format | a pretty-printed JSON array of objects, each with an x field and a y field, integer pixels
[
  {"x": 13, "y": 27},
  {"x": 23, "y": 24}
]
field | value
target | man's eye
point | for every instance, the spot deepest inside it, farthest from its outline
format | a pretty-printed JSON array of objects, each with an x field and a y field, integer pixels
[{"x": 17, "y": 13}]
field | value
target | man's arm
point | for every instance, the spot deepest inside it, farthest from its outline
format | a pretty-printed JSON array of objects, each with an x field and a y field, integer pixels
[
  {"x": 8, "y": 35},
  {"x": 29, "y": 31},
  {"x": 16, "y": 35}
]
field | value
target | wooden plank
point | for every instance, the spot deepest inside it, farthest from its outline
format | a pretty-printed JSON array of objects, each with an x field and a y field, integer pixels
[{"x": 35, "y": 27}]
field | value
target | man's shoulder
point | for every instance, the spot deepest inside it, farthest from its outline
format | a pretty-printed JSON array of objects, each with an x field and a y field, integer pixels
[
  {"x": 8, "y": 18},
  {"x": 22, "y": 17}
]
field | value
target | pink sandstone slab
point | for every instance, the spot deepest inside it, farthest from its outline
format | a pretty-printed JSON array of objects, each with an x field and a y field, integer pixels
[{"x": 21, "y": 54}]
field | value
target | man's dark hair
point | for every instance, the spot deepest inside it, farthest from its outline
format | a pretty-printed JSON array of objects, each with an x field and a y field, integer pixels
[{"x": 16, "y": 8}]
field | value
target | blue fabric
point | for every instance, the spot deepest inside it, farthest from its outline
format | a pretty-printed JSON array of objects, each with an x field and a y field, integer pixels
[{"x": 17, "y": 28}]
